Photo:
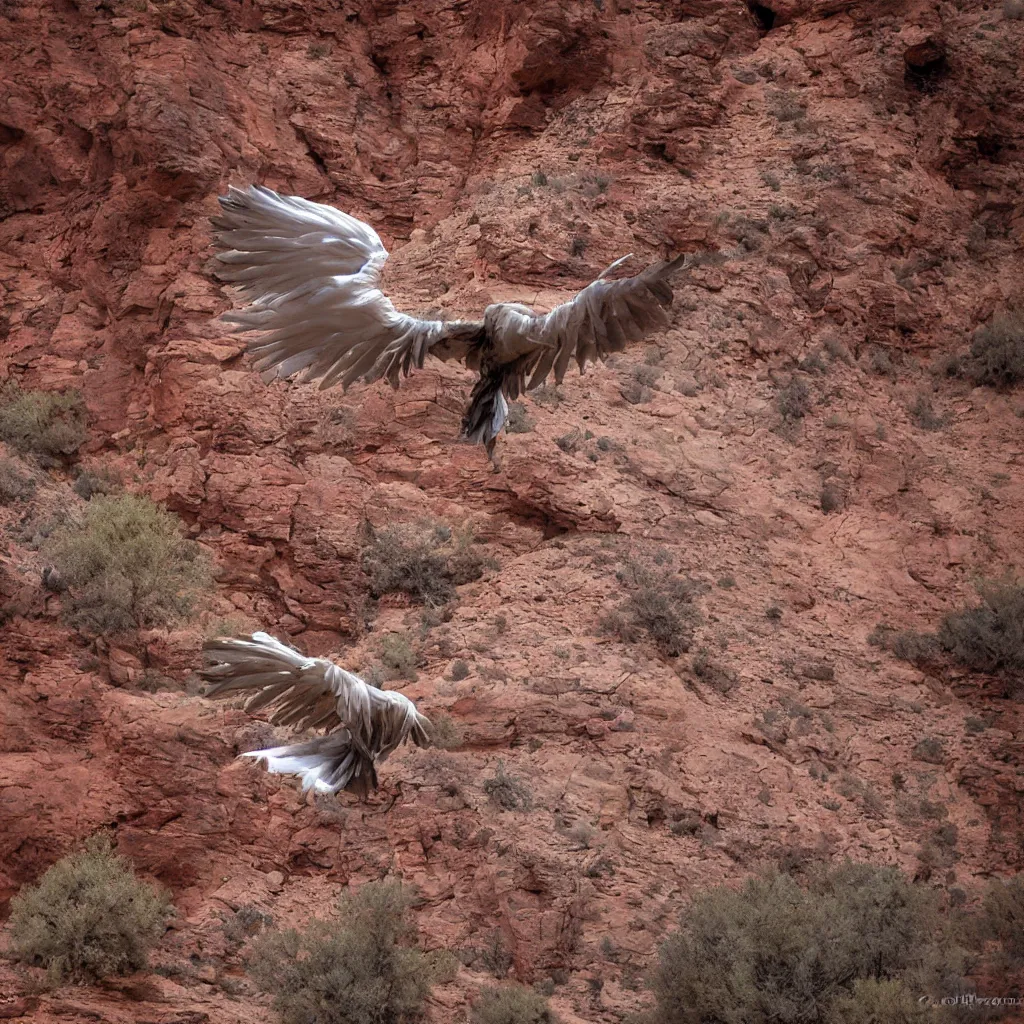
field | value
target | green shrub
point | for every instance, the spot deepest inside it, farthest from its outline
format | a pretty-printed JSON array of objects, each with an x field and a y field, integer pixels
[
  {"x": 990, "y": 636},
  {"x": 398, "y": 657},
  {"x": 49, "y": 424},
  {"x": 507, "y": 791},
  {"x": 518, "y": 421},
  {"x": 1003, "y": 915},
  {"x": 775, "y": 952},
  {"x": 426, "y": 561},
  {"x": 877, "y": 1002},
  {"x": 794, "y": 400},
  {"x": 88, "y": 918},
  {"x": 660, "y": 605},
  {"x": 361, "y": 968},
  {"x": 996, "y": 357},
  {"x": 512, "y": 1004},
  {"x": 14, "y": 484},
  {"x": 445, "y": 732},
  {"x": 127, "y": 565}
]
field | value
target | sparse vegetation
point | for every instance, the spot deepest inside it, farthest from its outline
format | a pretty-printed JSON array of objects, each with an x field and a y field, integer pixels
[
  {"x": 48, "y": 424},
  {"x": 243, "y": 923},
  {"x": 518, "y": 421},
  {"x": 427, "y": 561},
  {"x": 988, "y": 637},
  {"x": 14, "y": 483},
  {"x": 776, "y": 951},
  {"x": 831, "y": 498},
  {"x": 128, "y": 566},
  {"x": 712, "y": 673},
  {"x": 923, "y": 414},
  {"x": 512, "y": 1004},
  {"x": 660, "y": 604},
  {"x": 784, "y": 105},
  {"x": 793, "y": 401},
  {"x": 445, "y": 732},
  {"x": 88, "y": 918},
  {"x": 930, "y": 749},
  {"x": 360, "y": 968},
  {"x": 507, "y": 791},
  {"x": 91, "y": 482},
  {"x": 317, "y": 50},
  {"x": 1003, "y": 916},
  {"x": 459, "y": 670},
  {"x": 996, "y": 356},
  {"x": 398, "y": 657}
]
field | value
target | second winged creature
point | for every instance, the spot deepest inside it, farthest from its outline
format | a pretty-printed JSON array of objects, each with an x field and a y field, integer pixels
[
  {"x": 364, "y": 724},
  {"x": 311, "y": 275}
]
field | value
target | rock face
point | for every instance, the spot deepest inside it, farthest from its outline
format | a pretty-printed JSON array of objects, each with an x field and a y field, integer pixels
[{"x": 866, "y": 156}]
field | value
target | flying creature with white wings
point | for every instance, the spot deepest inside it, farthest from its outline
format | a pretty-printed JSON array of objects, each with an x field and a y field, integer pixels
[{"x": 311, "y": 275}]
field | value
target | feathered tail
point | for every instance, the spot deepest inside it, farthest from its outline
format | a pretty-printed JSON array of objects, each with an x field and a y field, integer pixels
[
  {"x": 327, "y": 764},
  {"x": 487, "y": 409}
]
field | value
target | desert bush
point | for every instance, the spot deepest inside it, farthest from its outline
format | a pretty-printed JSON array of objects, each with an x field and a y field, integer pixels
[
  {"x": 660, "y": 604},
  {"x": 1013, "y": 10},
  {"x": 507, "y": 791},
  {"x": 793, "y": 401},
  {"x": 907, "y": 645},
  {"x": 88, "y": 918},
  {"x": 426, "y": 560},
  {"x": 512, "y": 1004},
  {"x": 244, "y": 923},
  {"x": 877, "y": 1002},
  {"x": 14, "y": 484},
  {"x": 996, "y": 356},
  {"x": 361, "y": 968},
  {"x": 91, "y": 482},
  {"x": 518, "y": 421},
  {"x": 460, "y": 670},
  {"x": 49, "y": 424},
  {"x": 831, "y": 497},
  {"x": 775, "y": 951},
  {"x": 128, "y": 566},
  {"x": 988, "y": 637},
  {"x": 785, "y": 105},
  {"x": 1003, "y": 915},
  {"x": 398, "y": 657},
  {"x": 922, "y": 413},
  {"x": 445, "y": 732}
]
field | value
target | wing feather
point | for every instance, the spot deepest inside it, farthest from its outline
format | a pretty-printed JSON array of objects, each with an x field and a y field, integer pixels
[
  {"x": 311, "y": 693},
  {"x": 604, "y": 317},
  {"x": 311, "y": 276}
]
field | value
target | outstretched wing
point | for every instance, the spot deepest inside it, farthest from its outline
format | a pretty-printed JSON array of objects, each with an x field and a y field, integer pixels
[
  {"x": 603, "y": 318},
  {"x": 311, "y": 693},
  {"x": 311, "y": 275}
]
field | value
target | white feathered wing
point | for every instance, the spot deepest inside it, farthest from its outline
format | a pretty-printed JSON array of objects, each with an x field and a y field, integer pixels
[
  {"x": 365, "y": 724},
  {"x": 312, "y": 277}
]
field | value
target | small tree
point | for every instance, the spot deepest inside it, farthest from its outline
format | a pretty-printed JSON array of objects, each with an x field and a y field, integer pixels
[
  {"x": 128, "y": 566},
  {"x": 88, "y": 918},
  {"x": 359, "y": 969}
]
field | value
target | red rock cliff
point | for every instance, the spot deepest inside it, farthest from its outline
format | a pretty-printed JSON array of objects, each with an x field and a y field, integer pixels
[{"x": 866, "y": 156}]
